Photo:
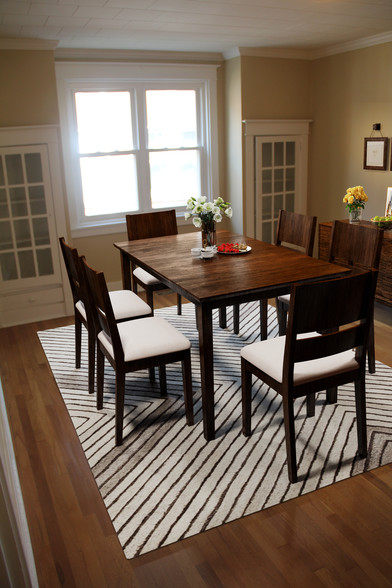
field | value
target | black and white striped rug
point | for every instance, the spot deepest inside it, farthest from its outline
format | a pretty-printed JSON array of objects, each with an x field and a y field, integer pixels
[{"x": 166, "y": 482}]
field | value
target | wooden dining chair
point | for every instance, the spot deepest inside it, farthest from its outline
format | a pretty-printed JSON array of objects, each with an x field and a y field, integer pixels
[
  {"x": 145, "y": 226},
  {"x": 293, "y": 229},
  {"x": 305, "y": 362},
  {"x": 133, "y": 346},
  {"x": 126, "y": 305},
  {"x": 351, "y": 245}
]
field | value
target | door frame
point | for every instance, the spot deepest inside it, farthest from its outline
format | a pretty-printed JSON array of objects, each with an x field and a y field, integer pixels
[{"x": 272, "y": 128}]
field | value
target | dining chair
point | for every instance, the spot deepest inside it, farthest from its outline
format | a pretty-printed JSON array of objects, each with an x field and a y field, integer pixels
[
  {"x": 351, "y": 245},
  {"x": 126, "y": 305},
  {"x": 293, "y": 229},
  {"x": 145, "y": 226},
  {"x": 133, "y": 346},
  {"x": 314, "y": 355}
]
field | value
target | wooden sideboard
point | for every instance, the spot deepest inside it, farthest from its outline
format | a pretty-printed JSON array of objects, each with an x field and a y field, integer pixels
[{"x": 384, "y": 282}]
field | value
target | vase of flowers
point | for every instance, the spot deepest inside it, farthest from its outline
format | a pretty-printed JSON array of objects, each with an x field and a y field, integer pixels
[
  {"x": 355, "y": 199},
  {"x": 206, "y": 214}
]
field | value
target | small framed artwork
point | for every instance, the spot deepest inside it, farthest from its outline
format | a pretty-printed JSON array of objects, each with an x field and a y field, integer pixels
[
  {"x": 375, "y": 153},
  {"x": 388, "y": 205}
]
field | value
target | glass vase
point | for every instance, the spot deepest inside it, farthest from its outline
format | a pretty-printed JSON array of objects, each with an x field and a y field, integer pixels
[
  {"x": 355, "y": 215},
  {"x": 208, "y": 234}
]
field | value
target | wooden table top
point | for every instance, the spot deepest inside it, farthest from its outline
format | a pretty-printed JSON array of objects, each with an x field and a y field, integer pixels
[{"x": 266, "y": 268}]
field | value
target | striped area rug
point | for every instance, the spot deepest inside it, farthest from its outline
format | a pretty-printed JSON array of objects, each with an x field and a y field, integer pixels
[{"x": 166, "y": 482}]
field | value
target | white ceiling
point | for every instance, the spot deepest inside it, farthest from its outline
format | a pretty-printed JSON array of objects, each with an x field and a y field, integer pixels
[{"x": 197, "y": 25}]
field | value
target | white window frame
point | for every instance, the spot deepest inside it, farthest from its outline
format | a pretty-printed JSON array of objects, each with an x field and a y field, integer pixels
[{"x": 75, "y": 77}]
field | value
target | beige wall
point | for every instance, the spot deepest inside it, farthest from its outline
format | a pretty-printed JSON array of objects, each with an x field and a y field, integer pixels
[
  {"x": 275, "y": 88},
  {"x": 28, "y": 94},
  {"x": 351, "y": 91},
  {"x": 233, "y": 146}
]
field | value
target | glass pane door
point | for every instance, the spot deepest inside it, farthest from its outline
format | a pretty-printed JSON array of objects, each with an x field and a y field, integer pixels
[
  {"x": 276, "y": 185},
  {"x": 26, "y": 218}
]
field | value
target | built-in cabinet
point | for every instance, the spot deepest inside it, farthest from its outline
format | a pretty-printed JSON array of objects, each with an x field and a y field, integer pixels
[
  {"x": 31, "y": 219},
  {"x": 384, "y": 280}
]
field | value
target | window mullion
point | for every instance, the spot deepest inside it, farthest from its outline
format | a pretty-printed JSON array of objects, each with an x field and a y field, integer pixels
[{"x": 143, "y": 166}]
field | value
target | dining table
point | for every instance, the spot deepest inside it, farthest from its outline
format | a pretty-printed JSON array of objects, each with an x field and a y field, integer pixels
[{"x": 262, "y": 271}]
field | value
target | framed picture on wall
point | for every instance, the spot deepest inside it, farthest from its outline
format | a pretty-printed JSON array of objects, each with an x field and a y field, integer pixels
[
  {"x": 388, "y": 205},
  {"x": 375, "y": 153}
]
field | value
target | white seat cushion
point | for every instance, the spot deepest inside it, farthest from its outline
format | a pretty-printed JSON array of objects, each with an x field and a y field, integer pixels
[
  {"x": 127, "y": 304},
  {"x": 80, "y": 306},
  {"x": 145, "y": 277},
  {"x": 268, "y": 356},
  {"x": 147, "y": 337},
  {"x": 285, "y": 298}
]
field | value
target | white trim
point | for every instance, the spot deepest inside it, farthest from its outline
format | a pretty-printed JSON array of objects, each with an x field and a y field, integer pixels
[
  {"x": 308, "y": 54},
  {"x": 266, "y": 128},
  {"x": 154, "y": 57},
  {"x": 27, "y": 44}
]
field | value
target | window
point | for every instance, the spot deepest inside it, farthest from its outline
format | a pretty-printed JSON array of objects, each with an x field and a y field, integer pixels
[{"x": 135, "y": 139}]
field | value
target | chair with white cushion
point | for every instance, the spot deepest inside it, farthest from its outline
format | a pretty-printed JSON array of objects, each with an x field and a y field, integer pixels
[
  {"x": 351, "y": 245},
  {"x": 305, "y": 362},
  {"x": 133, "y": 346},
  {"x": 145, "y": 226},
  {"x": 293, "y": 229},
  {"x": 126, "y": 306}
]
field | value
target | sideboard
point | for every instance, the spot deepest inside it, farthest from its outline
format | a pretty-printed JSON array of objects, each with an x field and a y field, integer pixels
[{"x": 384, "y": 282}]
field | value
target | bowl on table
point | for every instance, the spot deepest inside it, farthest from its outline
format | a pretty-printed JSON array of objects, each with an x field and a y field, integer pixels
[{"x": 382, "y": 222}]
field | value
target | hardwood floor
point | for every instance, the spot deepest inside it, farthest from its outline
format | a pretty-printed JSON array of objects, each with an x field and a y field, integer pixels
[{"x": 338, "y": 536}]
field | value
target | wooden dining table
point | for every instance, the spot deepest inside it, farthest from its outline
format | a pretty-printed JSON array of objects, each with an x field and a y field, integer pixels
[{"x": 265, "y": 271}]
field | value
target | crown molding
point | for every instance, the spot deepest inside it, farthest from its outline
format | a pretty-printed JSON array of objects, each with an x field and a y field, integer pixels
[
  {"x": 310, "y": 54},
  {"x": 354, "y": 45},
  {"x": 15, "y": 44},
  {"x": 133, "y": 55}
]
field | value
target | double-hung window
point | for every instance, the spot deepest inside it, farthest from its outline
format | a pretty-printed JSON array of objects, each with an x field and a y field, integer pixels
[{"x": 135, "y": 139}]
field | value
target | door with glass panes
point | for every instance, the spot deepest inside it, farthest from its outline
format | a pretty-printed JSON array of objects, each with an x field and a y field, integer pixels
[
  {"x": 28, "y": 240},
  {"x": 276, "y": 182}
]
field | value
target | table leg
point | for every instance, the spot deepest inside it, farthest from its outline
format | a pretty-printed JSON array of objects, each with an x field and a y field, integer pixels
[
  {"x": 126, "y": 271},
  {"x": 204, "y": 317}
]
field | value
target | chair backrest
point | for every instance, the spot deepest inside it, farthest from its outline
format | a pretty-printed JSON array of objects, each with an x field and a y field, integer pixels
[
  {"x": 344, "y": 302},
  {"x": 296, "y": 229},
  {"x": 355, "y": 245},
  {"x": 151, "y": 224},
  {"x": 71, "y": 261},
  {"x": 100, "y": 304}
]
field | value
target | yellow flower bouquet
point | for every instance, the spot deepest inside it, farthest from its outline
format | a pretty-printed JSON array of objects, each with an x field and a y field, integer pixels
[{"x": 355, "y": 198}]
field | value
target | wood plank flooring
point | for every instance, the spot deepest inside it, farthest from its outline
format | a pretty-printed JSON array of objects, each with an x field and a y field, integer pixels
[{"x": 337, "y": 536}]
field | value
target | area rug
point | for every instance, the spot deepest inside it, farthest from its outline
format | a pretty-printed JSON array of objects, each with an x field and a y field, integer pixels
[{"x": 166, "y": 482}]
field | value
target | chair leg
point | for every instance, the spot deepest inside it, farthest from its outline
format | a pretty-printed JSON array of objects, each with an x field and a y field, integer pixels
[
  {"x": 188, "y": 396},
  {"x": 120, "y": 392},
  {"x": 263, "y": 319},
  {"x": 236, "y": 318},
  {"x": 150, "y": 299},
  {"x": 100, "y": 377},
  {"x": 360, "y": 407},
  {"x": 78, "y": 341},
  {"x": 179, "y": 305},
  {"x": 162, "y": 380},
  {"x": 371, "y": 351},
  {"x": 281, "y": 311},
  {"x": 288, "y": 414},
  {"x": 91, "y": 360},
  {"x": 332, "y": 395},
  {"x": 222, "y": 317},
  {"x": 310, "y": 405},
  {"x": 246, "y": 388}
]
